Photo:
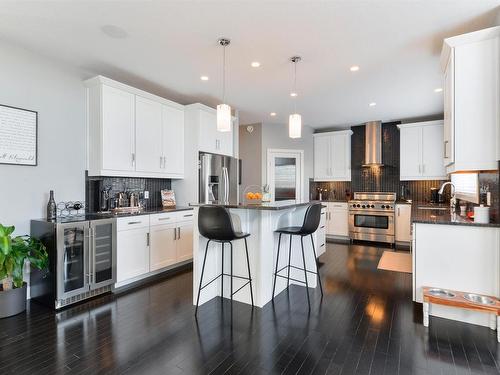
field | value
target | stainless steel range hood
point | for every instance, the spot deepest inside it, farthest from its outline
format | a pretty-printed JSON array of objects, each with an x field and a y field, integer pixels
[{"x": 373, "y": 144}]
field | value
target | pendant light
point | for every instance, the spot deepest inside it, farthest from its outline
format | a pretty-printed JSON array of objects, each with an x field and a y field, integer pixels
[
  {"x": 224, "y": 110},
  {"x": 295, "y": 120}
]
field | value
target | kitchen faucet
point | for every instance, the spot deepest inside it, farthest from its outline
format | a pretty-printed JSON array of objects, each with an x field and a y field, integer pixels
[{"x": 453, "y": 200}]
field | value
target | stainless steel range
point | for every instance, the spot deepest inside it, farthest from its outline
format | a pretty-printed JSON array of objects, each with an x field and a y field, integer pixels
[{"x": 371, "y": 217}]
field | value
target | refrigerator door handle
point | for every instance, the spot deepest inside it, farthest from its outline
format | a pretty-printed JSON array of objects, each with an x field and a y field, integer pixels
[{"x": 226, "y": 184}]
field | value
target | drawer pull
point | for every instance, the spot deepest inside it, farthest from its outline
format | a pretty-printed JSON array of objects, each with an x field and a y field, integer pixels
[
  {"x": 164, "y": 218},
  {"x": 322, "y": 245},
  {"x": 134, "y": 222},
  {"x": 189, "y": 215},
  {"x": 322, "y": 227}
]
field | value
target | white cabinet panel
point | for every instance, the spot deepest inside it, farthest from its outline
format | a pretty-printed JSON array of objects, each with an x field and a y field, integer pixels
[
  {"x": 410, "y": 152},
  {"x": 421, "y": 151},
  {"x": 118, "y": 129},
  {"x": 449, "y": 110},
  {"x": 433, "y": 152},
  {"x": 322, "y": 157},
  {"x": 185, "y": 241},
  {"x": 163, "y": 251},
  {"x": 337, "y": 219},
  {"x": 212, "y": 140},
  {"x": 332, "y": 156},
  {"x": 132, "y": 253},
  {"x": 148, "y": 123},
  {"x": 173, "y": 140},
  {"x": 403, "y": 223}
]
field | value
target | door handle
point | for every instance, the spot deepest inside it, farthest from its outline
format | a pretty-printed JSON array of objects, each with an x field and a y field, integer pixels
[
  {"x": 178, "y": 233},
  {"x": 133, "y": 222},
  {"x": 133, "y": 159},
  {"x": 175, "y": 234},
  {"x": 147, "y": 239},
  {"x": 161, "y": 162},
  {"x": 399, "y": 212},
  {"x": 445, "y": 154}
]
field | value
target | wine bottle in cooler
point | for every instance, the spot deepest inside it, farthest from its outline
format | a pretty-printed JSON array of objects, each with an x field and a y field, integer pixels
[{"x": 51, "y": 207}]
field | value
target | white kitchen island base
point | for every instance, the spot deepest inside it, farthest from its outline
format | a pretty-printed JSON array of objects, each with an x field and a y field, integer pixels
[{"x": 260, "y": 221}]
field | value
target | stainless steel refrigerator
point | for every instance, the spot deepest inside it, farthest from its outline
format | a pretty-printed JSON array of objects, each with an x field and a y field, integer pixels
[{"x": 219, "y": 179}]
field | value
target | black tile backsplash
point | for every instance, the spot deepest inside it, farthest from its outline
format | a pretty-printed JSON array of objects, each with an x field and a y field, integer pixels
[
  {"x": 94, "y": 186},
  {"x": 384, "y": 178}
]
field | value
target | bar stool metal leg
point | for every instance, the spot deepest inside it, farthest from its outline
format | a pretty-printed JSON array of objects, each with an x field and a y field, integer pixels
[
  {"x": 249, "y": 275},
  {"x": 289, "y": 262},
  {"x": 222, "y": 273},
  {"x": 305, "y": 269},
  {"x": 277, "y": 261},
  {"x": 201, "y": 278},
  {"x": 231, "y": 245},
  {"x": 316, "y": 264}
]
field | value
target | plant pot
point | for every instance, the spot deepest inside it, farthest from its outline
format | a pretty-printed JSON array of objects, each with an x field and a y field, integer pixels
[{"x": 12, "y": 302}]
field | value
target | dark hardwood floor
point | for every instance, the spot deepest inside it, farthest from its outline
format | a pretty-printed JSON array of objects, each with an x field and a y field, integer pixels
[{"x": 365, "y": 324}]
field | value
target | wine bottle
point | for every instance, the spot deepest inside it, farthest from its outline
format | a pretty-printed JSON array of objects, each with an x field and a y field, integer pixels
[{"x": 51, "y": 207}]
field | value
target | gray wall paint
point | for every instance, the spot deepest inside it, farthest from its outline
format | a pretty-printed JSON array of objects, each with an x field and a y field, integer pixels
[
  {"x": 250, "y": 149},
  {"x": 57, "y": 93}
]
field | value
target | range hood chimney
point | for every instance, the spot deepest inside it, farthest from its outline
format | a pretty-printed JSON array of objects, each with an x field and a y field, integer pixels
[{"x": 373, "y": 144}]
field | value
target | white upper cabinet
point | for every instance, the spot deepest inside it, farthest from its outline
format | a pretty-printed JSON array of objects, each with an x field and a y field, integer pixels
[
  {"x": 471, "y": 64},
  {"x": 172, "y": 149},
  {"x": 210, "y": 139},
  {"x": 332, "y": 156},
  {"x": 118, "y": 129},
  {"x": 132, "y": 133},
  {"x": 148, "y": 140},
  {"x": 421, "y": 151}
]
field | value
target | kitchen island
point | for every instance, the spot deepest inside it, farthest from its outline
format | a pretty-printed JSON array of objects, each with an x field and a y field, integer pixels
[{"x": 260, "y": 220}]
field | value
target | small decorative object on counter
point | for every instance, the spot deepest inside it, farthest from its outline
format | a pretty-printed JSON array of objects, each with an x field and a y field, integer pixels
[
  {"x": 266, "y": 194},
  {"x": 167, "y": 198},
  {"x": 253, "y": 195},
  {"x": 51, "y": 207},
  {"x": 482, "y": 214}
]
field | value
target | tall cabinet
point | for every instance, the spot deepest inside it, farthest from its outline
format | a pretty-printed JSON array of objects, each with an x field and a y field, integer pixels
[
  {"x": 471, "y": 66},
  {"x": 332, "y": 156},
  {"x": 132, "y": 133}
]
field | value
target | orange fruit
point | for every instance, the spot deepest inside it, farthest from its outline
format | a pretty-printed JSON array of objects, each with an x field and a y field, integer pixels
[
  {"x": 250, "y": 195},
  {"x": 258, "y": 196}
]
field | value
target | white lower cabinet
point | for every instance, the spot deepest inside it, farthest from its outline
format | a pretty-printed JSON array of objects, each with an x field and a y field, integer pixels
[
  {"x": 337, "y": 219},
  {"x": 163, "y": 251},
  {"x": 148, "y": 244},
  {"x": 403, "y": 223},
  {"x": 132, "y": 255},
  {"x": 319, "y": 236}
]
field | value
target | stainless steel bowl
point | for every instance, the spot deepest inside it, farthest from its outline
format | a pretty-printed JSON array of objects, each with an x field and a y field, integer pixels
[
  {"x": 479, "y": 299},
  {"x": 441, "y": 293}
]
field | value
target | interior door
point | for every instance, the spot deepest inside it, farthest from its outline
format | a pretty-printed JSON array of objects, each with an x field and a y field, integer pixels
[
  {"x": 102, "y": 253},
  {"x": 163, "y": 250},
  {"x": 72, "y": 259},
  {"x": 284, "y": 174},
  {"x": 411, "y": 153},
  {"x": 148, "y": 115},
  {"x": 173, "y": 140},
  {"x": 432, "y": 152},
  {"x": 118, "y": 129}
]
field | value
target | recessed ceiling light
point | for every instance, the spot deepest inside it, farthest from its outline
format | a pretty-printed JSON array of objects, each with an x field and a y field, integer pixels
[
  {"x": 272, "y": 114},
  {"x": 439, "y": 89},
  {"x": 354, "y": 68},
  {"x": 255, "y": 64},
  {"x": 293, "y": 94},
  {"x": 114, "y": 31},
  {"x": 204, "y": 78},
  {"x": 372, "y": 104}
]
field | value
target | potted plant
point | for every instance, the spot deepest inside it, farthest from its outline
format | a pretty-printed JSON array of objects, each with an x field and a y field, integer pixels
[{"x": 14, "y": 251}]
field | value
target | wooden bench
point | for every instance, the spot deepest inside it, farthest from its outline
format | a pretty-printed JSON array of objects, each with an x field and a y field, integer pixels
[{"x": 457, "y": 299}]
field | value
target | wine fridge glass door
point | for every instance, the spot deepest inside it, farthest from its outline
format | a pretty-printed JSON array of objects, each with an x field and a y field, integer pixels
[{"x": 102, "y": 253}]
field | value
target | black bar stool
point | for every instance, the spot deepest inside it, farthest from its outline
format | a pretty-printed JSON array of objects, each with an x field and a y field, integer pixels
[
  {"x": 310, "y": 225},
  {"x": 215, "y": 224}
]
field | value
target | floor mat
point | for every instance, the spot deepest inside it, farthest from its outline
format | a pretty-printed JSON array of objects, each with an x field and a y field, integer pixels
[{"x": 398, "y": 262}]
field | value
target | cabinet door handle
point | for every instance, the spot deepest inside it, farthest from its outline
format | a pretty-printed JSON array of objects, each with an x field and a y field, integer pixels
[
  {"x": 179, "y": 233},
  {"x": 399, "y": 212},
  {"x": 164, "y": 162},
  {"x": 444, "y": 150},
  {"x": 175, "y": 234},
  {"x": 133, "y": 222},
  {"x": 188, "y": 215},
  {"x": 163, "y": 218},
  {"x": 147, "y": 239},
  {"x": 161, "y": 162},
  {"x": 133, "y": 159}
]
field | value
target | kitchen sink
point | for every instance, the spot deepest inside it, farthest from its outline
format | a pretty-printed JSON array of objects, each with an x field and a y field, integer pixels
[{"x": 437, "y": 208}]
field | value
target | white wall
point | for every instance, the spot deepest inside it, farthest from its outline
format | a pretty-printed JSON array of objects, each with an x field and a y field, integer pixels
[
  {"x": 56, "y": 92},
  {"x": 276, "y": 136}
]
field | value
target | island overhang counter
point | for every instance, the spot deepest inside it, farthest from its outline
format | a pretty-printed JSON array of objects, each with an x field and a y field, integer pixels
[{"x": 261, "y": 221}]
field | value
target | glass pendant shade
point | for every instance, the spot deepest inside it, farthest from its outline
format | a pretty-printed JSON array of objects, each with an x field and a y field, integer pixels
[
  {"x": 223, "y": 118},
  {"x": 295, "y": 126}
]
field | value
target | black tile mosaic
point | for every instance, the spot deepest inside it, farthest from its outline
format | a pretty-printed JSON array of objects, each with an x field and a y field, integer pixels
[{"x": 94, "y": 186}]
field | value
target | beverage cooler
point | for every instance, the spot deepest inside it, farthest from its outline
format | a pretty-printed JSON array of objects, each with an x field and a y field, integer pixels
[{"x": 82, "y": 261}]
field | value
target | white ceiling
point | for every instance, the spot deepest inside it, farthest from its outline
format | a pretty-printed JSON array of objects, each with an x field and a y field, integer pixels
[{"x": 171, "y": 44}]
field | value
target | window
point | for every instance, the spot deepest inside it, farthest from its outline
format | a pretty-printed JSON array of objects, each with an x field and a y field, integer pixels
[{"x": 466, "y": 186}]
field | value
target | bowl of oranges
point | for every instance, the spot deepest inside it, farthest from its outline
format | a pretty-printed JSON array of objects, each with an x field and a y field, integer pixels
[{"x": 253, "y": 195}]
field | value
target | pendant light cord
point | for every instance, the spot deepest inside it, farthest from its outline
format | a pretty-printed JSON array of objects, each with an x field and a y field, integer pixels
[
  {"x": 295, "y": 86},
  {"x": 224, "y": 75}
]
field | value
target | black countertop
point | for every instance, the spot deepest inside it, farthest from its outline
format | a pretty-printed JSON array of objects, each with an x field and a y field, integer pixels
[
  {"x": 444, "y": 217},
  {"x": 105, "y": 215},
  {"x": 280, "y": 205},
  {"x": 330, "y": 200}
]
